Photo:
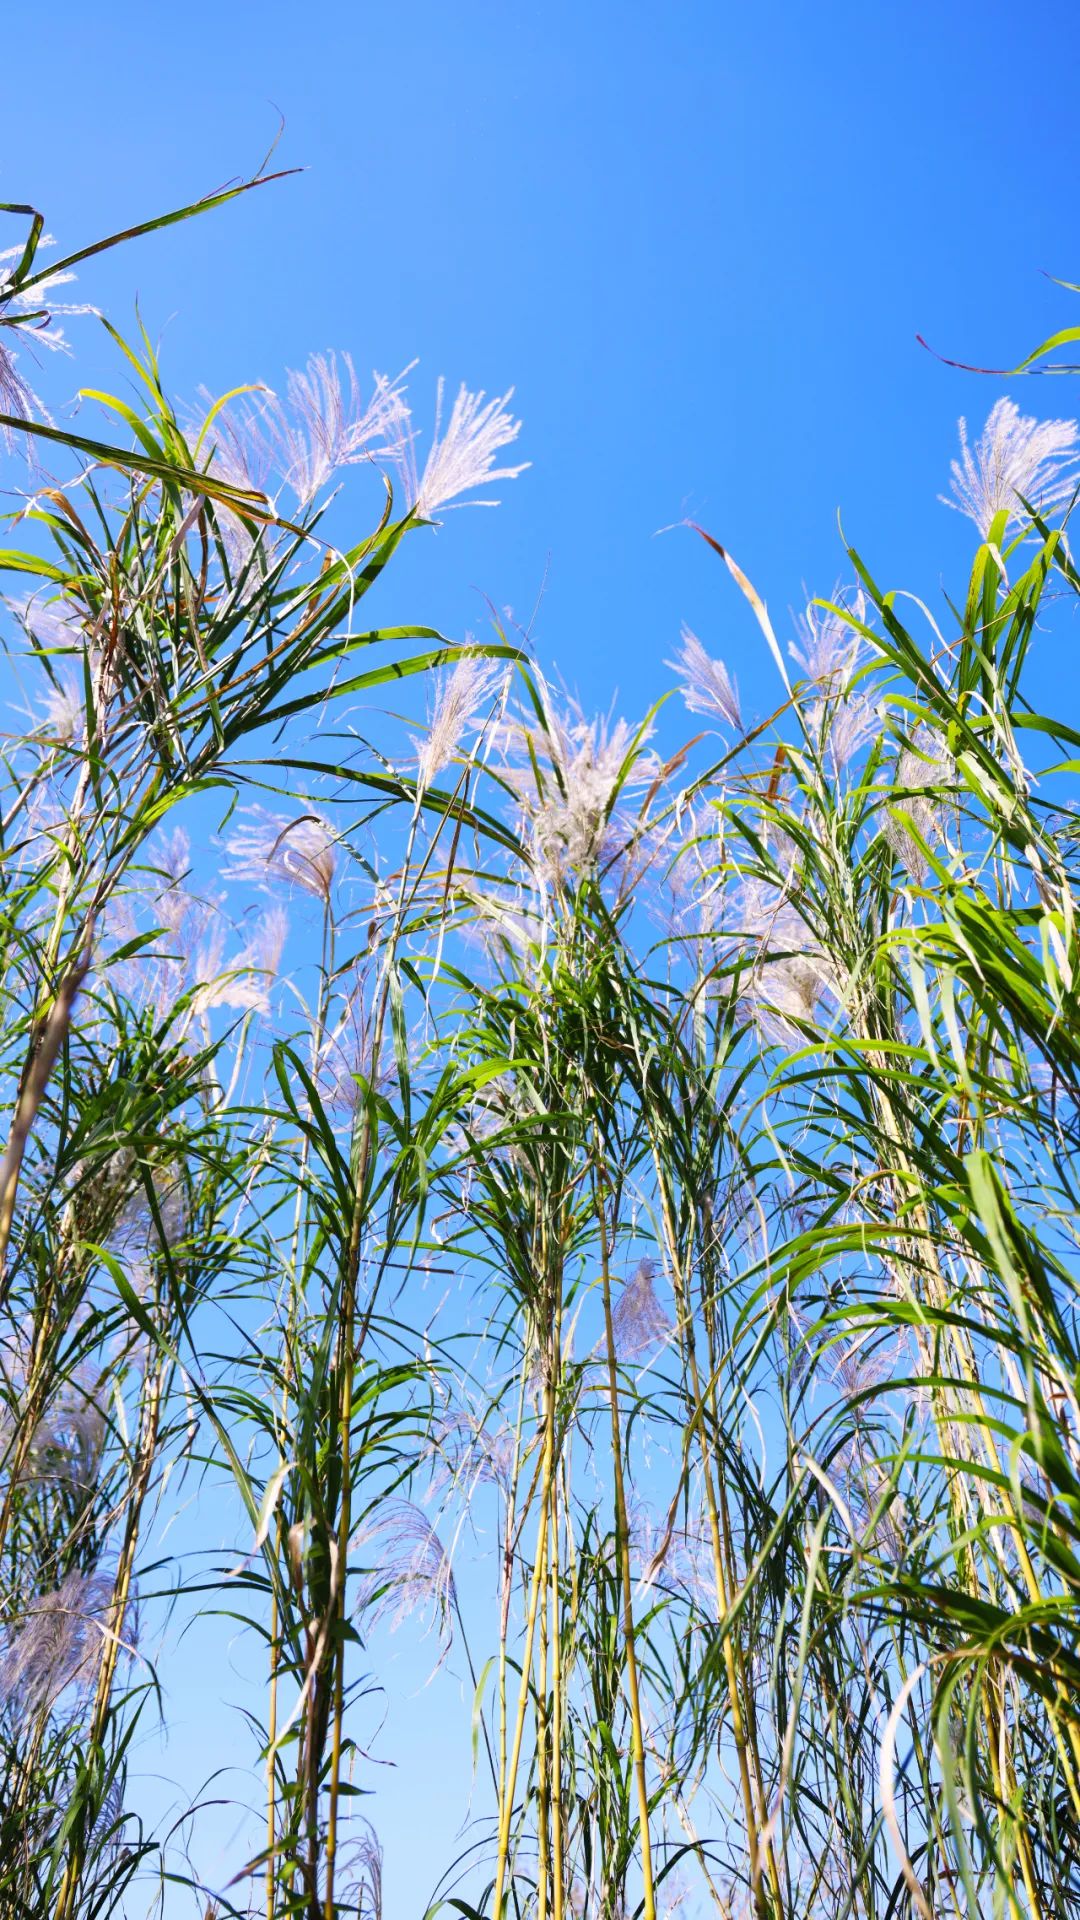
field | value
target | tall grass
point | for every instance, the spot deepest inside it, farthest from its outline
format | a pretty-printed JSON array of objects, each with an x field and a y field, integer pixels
[{"x": 734, "y": 1093}]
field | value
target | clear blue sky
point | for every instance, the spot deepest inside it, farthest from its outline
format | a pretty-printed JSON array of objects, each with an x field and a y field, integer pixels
[{"x": 699, "y": 239}]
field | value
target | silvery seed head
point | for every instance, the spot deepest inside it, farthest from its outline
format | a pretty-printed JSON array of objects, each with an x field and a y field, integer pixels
[
  {"x": 465, "y": 695},
  {"x": 568, "y": 775},
  {"x": 1015, "y": 458},
  {"x": 272, "y": 847},
  {"x": 463, "y": 457},
  {"x": 639, "y": 1323},
  {"x": 57, "y": 1644},
  {"x": 407, "y": 1567},
  {"x": 706, "y": 687},
  {"x": 828, "y": 647}
]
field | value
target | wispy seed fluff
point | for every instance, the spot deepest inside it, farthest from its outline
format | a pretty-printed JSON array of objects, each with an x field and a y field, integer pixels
[
  {"x": 827, "y": 646},
  {"x": 463, "y": 458},
  {"x": 568, "y": 775},
  {"x": 269, "y": 847},
  {"x": 1015, "y": 458},
  {"x": 707, "y": 687},
  {"x": 408, "y": 1568},
  {"x": 244, "y": 981},
  {"x": 17, "y": 311},
  {"x": 923, "y": 770},
  {"x": 639, "y": 1322},
  {"x": 465, "y": 695},
  {"x": 321, "y": 425},
  {"x": 58, "y": 1644},
  {"x": 788, "y": 973}
]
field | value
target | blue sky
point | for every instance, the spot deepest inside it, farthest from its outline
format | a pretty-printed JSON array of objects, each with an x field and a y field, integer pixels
[{"x": 699, "y": 241}]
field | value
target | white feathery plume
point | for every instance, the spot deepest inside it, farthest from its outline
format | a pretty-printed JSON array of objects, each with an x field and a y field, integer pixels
[
  {"x": 58, "y": 1644},
  {"x": 345, "y": 1058},
  {"x": 707, "y": 687},
  {"x": 923, "y": 765},
  {"x": 679, "y": 1556},
  {"x": 462, "y": 693},
  {"x": 17, "y": 308},
  {"x": 827, "y": 647},
  {"x": 412, "y": 1569},
  {"x": 270, "y": 847},
  {"x": 463, "y": 458},
  {"x": 65, "y": 1447},
  {"x": 56, "y": 627},
  {"x": 788, "y": 973},
  {"x": 67, "y": 1443},
  {"x": 567, "y": 774},
  {"x": 638, "y": 1321},
  {"x": 244, "y": 983},
  {"x": 141, "y": 1227},
  {"x": 242, "y": 455},
  {"x": 324, "y": 425},
  {"x": 847, "y": 723},
  {"x": 362, "y": 1878},
  {"x": 506, "y": 926},
  {"x": 694, "y": 880},
  {"x": 464, "y": 1450},
  {"x": 16, "y": 397},
  {"x": 173, "y": 862},
  {"x": 63, "y": 713},
  {"x": 1015, "y": 455}
]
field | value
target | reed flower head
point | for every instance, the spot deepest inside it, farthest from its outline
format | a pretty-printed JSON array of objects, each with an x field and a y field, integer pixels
[
  {"x": 325, "y": 424},
  {"x": 16, "y": 397},
  {"x": 508, "y": 926},
  {"x": 55, "y": 624},
  {"x": 156, "y": 1212},
  {"x": 409, "y": 1569},
  {"x": 172, "y": 862},
  {"x": 568, "y": 775},
  {"x": 345, "y": 1063},
  {"x": 788, "y": 972},
  {"x": 67, "y": 1443},
  {"x": 1015, "y": 458},
  {"x": 463, "y": 693},
  {"x": 361, "y": 1875},
  {"x": 57, "y": 1644},
  {"x": 707, "y": 687},
  {"x": 924, "y": 773},
  {"x": 843, "y": 726},
  {"x": 638, "y": 1322},
  {"x": 101, "y": 1190},
  {"x": 463, "y": 457},
  {"x": 321, "y": 425},
  {"x": 269, "y": 847},
  {"x": 677, "y": 1558},
  {"x": 56, "y": 627},
  {"x": 827, "y": 647},
  {"x": 693, "y": 881},
  {"x": 244, "y": 982},
  {"x": 21, "y": 310},
  {"x": 63, "y": 713},
  {"x": 466, "y": 1451}
]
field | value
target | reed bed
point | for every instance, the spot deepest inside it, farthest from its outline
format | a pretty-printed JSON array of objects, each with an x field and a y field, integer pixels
[{"x": 609, "y": 1208}]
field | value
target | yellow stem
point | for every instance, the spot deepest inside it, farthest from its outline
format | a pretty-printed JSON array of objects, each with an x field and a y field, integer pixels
[
  {"x": 623, "y": 1549},
  {"x": 506, "y": 1812}
]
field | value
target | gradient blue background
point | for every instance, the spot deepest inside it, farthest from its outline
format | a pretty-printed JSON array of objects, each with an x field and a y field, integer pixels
[{"x": 699, "y": 239}]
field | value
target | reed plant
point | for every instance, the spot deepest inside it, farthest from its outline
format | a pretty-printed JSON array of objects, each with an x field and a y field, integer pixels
[{"x": 728, "y": 1090}]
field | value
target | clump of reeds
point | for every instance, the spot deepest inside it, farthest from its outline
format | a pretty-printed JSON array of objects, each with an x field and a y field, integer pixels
[{"x": 648, "y": 1178}]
